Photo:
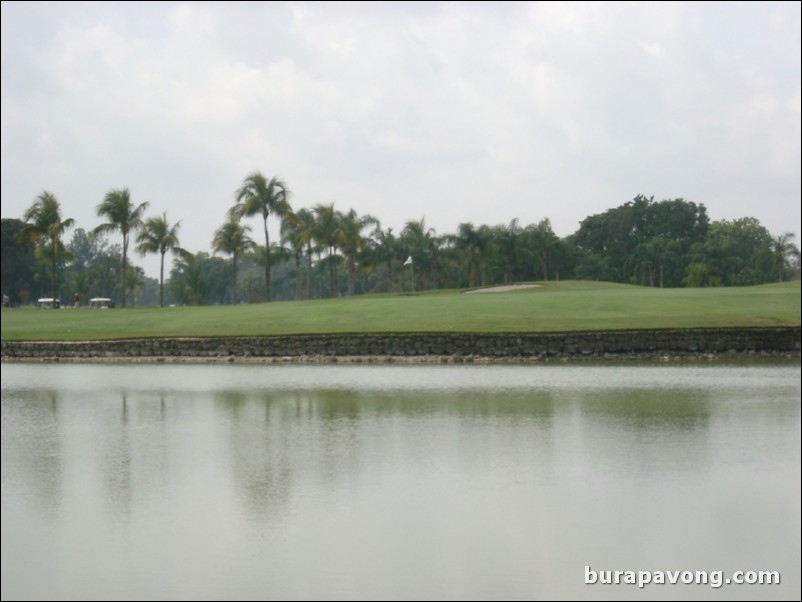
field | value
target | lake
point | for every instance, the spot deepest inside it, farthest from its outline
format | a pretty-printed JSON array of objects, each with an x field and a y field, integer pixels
[{"x": 399, "y": 482}]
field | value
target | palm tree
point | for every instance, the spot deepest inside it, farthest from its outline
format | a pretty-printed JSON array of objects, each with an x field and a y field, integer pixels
[
  {"x": 157, "y": 236},
  {"x": 298, "y": 232},
  {"x": 188, "y": 279},
  {"x": 44, "y": 225},
  {"x": 328, "y": 232},
  {"x": 564, "y": 256},
  {"x": 542, "y": 239},
  {"x": 260, "y": 196},
  {"x": 782, "y": 248},
  {"x": 468, "y": 241},
  {"x": 232, "y": 238},
  {"x": 421, "y": 244},
  {"x": 369, "y": 260},
  {"x": 122, "y": 216},
  {"x": 388, "y": 250},
  {"x": 351, "y": 241},
  {"x": 697, "y": 275},
  {"x": 509, "y": 241},
  {"x": 653, "y": 254}
]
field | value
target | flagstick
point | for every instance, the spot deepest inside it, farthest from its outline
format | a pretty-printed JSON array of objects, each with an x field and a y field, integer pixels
[{"x": 412, "y": 272}]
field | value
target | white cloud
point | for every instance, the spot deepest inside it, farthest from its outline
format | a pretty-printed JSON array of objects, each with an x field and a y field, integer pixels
[
  {"x": 653, "y": 48},
  {"x": 794, "y": 104},
  {"x": 459, "y": 112}
]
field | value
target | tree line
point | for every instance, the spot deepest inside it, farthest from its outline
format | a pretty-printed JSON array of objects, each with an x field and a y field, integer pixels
[{"x": 324, "y": 252}]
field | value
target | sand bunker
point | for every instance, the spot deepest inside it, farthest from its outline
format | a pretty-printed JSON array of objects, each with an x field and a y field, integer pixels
[{"x": 501, "y": 289}]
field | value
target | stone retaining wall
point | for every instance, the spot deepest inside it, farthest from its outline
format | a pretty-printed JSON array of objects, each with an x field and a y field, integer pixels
[{"x": 435, "y": 346}]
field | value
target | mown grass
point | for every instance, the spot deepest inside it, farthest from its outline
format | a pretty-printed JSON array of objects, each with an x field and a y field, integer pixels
[{"x": 554, "y": 307}]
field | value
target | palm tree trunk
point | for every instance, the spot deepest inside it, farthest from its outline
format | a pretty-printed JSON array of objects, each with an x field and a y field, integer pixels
[
  {"x": 234, "y": 288},
  {"x": 321, "y": 281},
  {"x": 161, "y": 282},
  {"x": 334, "y": 271},
  {"x": 297, "y": 275},
  {"x": 53, "y": 270},
  {"x": 309, "y": 272},
  {"x": 125, "y": 252},
  {"x": 332, "y": 275},
  {"x": 267, "y": 261},
  {"x": 351, "y": 275}
]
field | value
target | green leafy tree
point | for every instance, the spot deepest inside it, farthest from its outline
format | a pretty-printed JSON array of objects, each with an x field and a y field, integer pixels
[
  {"x": 260, "y": 196},
  {"x": 738, "y": 252},
  {"x": 124, "y": 217},
  {"x": 84, "y": 251},
  {"x": 95, "y": 266},
  {"x": 619, "y": 235},
  {"x": 199, "y": 279},
  {"x": 18, "y": 260},
  {"x": 593, "y": 266},
  {"x": 135, "y": 280},
  {"x": 149, "y": 292},
  {"x": 158, "y": 236},
  {"x": 44, "y": 227}
]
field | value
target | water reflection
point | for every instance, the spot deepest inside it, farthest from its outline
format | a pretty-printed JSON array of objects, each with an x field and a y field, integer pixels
[
  {"x": 243, "y": 482},
  {"x": 330, "y": 437},
  {"x": 34, "y": 445}
]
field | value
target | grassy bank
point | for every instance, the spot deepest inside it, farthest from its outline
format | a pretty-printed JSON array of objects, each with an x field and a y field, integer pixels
[{"x": 563, "y": 306}]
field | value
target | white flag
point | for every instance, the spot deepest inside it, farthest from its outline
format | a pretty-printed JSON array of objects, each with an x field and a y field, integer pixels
[{"x": 408, "y": 261}]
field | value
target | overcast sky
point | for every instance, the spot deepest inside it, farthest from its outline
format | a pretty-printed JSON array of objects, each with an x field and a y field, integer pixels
[{"x": 451, "y": 112}]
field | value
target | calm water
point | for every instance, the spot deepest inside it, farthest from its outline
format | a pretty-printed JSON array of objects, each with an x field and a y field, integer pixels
[{"x": 274, "y": 482}]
